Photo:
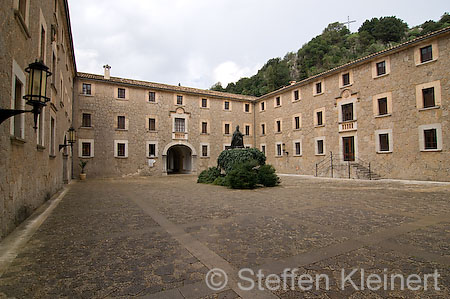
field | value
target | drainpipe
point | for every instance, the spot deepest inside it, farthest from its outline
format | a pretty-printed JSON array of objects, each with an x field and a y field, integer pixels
[{"x": 254, "y": 124}]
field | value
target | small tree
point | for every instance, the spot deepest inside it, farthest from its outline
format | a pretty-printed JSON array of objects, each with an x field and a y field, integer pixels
[{"x": 83, "y": 164}]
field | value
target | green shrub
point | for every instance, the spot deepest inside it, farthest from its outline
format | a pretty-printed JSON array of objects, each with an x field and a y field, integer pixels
[
  {"x": 220, "y": 181},
  {"x": 228, "y": 158},
  {"x": 209, "y": 175},
  {"x": 242, "y": 176},
  {"x": 267, "y": 176}
]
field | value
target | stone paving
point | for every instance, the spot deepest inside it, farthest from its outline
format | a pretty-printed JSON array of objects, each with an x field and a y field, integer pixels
[{"x": 158, "y": 237}]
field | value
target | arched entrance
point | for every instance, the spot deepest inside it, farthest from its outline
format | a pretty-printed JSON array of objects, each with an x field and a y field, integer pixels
[{"x": 179, "y": 159}]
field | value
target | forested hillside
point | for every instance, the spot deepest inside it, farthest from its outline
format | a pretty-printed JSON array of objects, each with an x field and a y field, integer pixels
[{"x": 335, "y": 46}]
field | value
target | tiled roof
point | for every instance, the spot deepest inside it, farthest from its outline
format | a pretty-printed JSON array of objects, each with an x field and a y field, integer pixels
[
  {"x": 361, "y": 60},
  {"x": 159, "y": 86}
]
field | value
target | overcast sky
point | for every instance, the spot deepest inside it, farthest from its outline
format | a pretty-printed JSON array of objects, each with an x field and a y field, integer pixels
[{"x": 200, "y": 42}]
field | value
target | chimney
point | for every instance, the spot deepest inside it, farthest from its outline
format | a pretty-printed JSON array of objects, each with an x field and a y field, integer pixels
[{"x": 107, "y": 68}]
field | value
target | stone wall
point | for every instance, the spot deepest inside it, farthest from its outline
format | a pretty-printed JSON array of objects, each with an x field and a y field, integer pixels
[{"x": 30, "y": 171}]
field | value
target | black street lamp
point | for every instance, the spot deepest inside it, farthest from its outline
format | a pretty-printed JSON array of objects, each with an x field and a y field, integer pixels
[
  {"x": 72, "y": 139},
  {"x": 37, "y": 92}
]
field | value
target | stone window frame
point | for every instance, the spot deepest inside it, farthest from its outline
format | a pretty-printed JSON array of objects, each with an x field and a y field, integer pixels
[
  {"x": 376, "y": 109},
  {"x": 314, "y": 86},
  {"x": 276, "y": 125},
  {"x": 80, "y": 148},
  {"x": 341, "y": 79},
  {"x": 340, "y": 114},
  {"x": 390, "y": 141},
  {"x": 387, "y": 60},
  {"x": 201, "y": 103},
  {"x": 147, "y": 95},
  {"x": 278, "y": 149},
  {"x": 147, "y": 149},
  {"x": 230, "y": 128},
  {"x": 82, "y": 120},
  {"x": 116, "y": 148},
  {"x": 299, "y": 115},
  {"x": 229, "y": 105},
  {"x": 249, "y": 107},
  {"x": 250, "y": 129},
  {"x": 438, "y": 128},
  {"x": 294, "y": 147},
  {"x": 275, "y": 101},
  {"x": 207, "y": 127},
  {"x": 208, "y": 150},
  {"x": 116, "y": 121},
  {"x": 52, "y": 134},
  {"x": 261, "y": 129},
  {"x": 147, "y": 123},
  {"x": 261, "y": 104},
  {"x": 437, "y": 95},
  {"x": 116, "y": 93},
  {"x": 263, "y": 148},
  {"x": 316, "y": 146},
  {"x": 435, "y": 52},
  {"x": 315, "y": 118},
  {"x": 42, "y": 45},
  {"x": 299, "y": 95},
  {"x": 176, "y": 97},
  {"x": 23, "y": 17},
  {"x": 18, "y": 74},
  {"x": 84, "y": 91}
]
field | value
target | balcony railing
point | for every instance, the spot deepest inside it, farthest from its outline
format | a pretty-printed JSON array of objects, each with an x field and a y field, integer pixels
[
  {"x": 348, "y": 126},
  {"x": 180, "y": 135}
]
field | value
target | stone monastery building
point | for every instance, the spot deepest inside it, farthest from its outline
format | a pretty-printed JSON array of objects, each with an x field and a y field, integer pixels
[{"x": 387, "y": 113}]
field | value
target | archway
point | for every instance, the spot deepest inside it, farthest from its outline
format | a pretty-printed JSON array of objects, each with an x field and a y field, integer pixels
[{"x": 179, "y": 159}]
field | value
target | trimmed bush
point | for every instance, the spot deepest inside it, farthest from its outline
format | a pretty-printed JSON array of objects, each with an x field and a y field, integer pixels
[
  {"x": 220, "y": 181},
  {"x": 242, "y": 176},
  {"x": 228, "y": 158},
  {"x": 209, "y": 175},
  {"x": 267, "y": 176}
]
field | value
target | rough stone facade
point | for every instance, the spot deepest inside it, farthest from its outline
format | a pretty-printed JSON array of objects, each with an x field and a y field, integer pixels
[
  {"x": 104, "y": 107},
  {"x": 31, "y": 167},
  {"x": 404, "y": 121}
]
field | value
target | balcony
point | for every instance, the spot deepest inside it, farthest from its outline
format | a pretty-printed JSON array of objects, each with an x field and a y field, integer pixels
[
  {"x": 348, "y": 126},
  {"x": 179, "y": 136}
]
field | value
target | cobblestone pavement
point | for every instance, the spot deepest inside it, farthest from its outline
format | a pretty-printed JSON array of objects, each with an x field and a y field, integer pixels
[{"x": 158, "y": 237}]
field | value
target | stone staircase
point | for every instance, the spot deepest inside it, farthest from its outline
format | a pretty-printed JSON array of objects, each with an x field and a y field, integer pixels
[{"x": 364, "y": 173}]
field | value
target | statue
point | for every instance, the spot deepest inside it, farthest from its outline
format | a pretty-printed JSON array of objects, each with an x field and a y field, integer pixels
[{"x": 238, "y": 139}]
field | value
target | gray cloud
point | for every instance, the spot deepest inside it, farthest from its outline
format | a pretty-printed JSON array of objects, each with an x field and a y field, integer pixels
[{"x": 199, "y": 42}]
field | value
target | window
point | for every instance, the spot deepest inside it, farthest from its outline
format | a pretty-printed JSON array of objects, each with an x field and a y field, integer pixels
[
  {"x": 151, "y": 96},
  {"x": 319, "y": 118},
  {"x": 204, "y": 103},
  {"x": 86, "y": 149},
  {"x": 152, "y": 124},
  {"x": 121, "y": 93},
  {"x": 428, "y": 97},
  {"x": 298, "y": 149},
  {"x": 227, "y": 129},
  {"x": 318, "y": 87},
  {"x": 278, "y": 101},
  {"x": 121, "y": 149},
  {"x": 320, "y": 150},
  {"x": 40, "y": 129},
  {"x": 426, "y": 54},
  {"x": 18, "y": 130},
  {"x": 54, "y": 70},
  {"x": 430, "y": 138},
  {"x": 180, "y": 125},
  {"x": 52, "y": 136},
  {"x": 151, "y": 150},
  {"x": 226, "y": 105},
  {"x": 247, "y": 130},
  {"x": 384, "y": 142},
  {"x": 296, "y": 95},
  {"x": 121, "y": 122},
  {"x": 263, "y": 129},
  {"x": 263, "y": 148},
  {"x": 382, "y": 106},
  {"x": 247, "y": 107},
  {"x": 23, "y": 8},
  {"x": 42, "y": 46},
  {"x": 179, "y": 100},
  {"x": 278, "y": 125},
  {"x": 86, "y": 88},
  {"x": 263, "y": 106},
  {"x": 204, "y": 150},
  {"x": 279, "y": 150},
  {"x": 381, "y": 68},
  {"x": 346, "y": 79},
  {"x": 297, "y": 122},
  {"x": 86, "y": 120},
  {"x": 204, "y": 127},
  {"x": 347, "y": 112}
]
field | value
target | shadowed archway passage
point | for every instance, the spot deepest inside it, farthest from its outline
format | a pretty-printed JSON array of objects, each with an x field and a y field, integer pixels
[{"x": 179, "y": 159}]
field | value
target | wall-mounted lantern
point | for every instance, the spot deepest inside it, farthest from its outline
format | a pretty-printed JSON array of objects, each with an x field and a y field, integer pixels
[
  {"x": 284, "y": 150},
  {"x": 72, "y": 139},
  {"x": 37, "y": 92}
]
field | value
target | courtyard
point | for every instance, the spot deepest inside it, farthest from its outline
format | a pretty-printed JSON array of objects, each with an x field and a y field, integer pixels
[{"x": 158, "y": 237}]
